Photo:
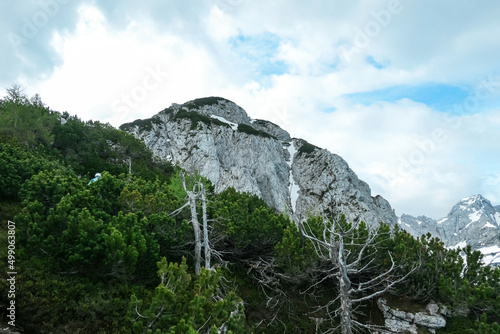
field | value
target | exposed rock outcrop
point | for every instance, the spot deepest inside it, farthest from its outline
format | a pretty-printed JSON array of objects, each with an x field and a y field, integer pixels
[
  {"x": 216, "y": 137},
  {"x": 397, "y": 321}
]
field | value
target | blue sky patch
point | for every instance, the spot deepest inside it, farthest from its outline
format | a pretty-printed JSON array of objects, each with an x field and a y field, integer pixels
[
  {"x": 370, "y": 60},
  {"x": 329, "y": 110},
  {"x": 260, "y": 50},
  {"x": 435, "y": 95}
]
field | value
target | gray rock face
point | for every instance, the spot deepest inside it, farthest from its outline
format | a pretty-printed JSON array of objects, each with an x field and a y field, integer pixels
[
  {"x": 472, "y": 221},
  {"x": 216, "y": 137},
  {"x": 417, "y": 226},
  {"x": 327, "y": 184},
  {"x": 272, "y": 129}
]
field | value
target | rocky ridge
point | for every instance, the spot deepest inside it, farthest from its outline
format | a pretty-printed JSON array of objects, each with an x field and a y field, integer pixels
[
  {"x": 417, "y": 226},
  {"x": 216, "y": 138}
]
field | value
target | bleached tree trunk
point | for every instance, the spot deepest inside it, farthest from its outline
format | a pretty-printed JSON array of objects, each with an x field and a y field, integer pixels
[
  {"x": 196, "y": 226},
  {"x": 200, "y": 241},
  {"x": 345, "y": 307},
  {"x": 344, "y": 284},
  {"x": 197, "y": 232},
  {"x": 206, "y": 240}
]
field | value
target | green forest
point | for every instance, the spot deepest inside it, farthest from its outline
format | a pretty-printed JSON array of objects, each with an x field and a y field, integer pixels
[{"x": 150, "y": 248}]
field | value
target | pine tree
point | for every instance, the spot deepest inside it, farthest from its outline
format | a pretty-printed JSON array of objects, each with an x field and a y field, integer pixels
[{"x": 183, "y": 304}]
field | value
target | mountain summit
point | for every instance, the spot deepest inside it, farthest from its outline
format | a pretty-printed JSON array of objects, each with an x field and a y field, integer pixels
[
  {"x": 217, "y": 138},
  {"x": 472, "y": 221}
]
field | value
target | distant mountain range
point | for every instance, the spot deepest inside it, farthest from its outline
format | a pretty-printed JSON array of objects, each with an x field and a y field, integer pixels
[
  {"x": 472, "y": 221},
  {"x": 216, "y": 138}
]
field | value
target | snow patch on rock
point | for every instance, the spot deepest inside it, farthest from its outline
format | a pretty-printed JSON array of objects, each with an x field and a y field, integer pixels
[
  {"x": 233, "y": 126},
  {"x": 475, "y": 216}
]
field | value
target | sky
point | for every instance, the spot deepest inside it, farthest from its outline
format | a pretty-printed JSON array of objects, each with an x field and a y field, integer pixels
[{"x": 407, "y": 92}]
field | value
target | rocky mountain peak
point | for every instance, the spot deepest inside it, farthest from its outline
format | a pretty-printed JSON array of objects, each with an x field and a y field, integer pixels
[
  {"x": 475, "y": 203},
  {"x": 217, "y": 138},
  {"x": 472, "y": 221},
  {"x": 472, "y": 210},
  {"x": 218, "y": 107}
]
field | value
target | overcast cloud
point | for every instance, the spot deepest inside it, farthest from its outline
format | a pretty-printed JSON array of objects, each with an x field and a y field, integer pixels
[{"x": 408, "y": 92}]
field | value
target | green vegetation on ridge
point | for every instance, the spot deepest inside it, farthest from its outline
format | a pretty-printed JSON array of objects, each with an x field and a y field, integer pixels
[{"x": 252, "y": 131}]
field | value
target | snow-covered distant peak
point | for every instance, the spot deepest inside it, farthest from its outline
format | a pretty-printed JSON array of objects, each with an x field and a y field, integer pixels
[
  {"x": 474, "y": 205},
  {"x": 470, "y": 200},
  {"x": 474, "y": 201},
  {"x": 472, "y": 221}
]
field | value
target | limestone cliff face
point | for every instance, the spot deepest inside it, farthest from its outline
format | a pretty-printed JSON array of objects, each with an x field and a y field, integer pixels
[
  {"x": 216, "y": 137},
  {"x": 325, "y": 183}
]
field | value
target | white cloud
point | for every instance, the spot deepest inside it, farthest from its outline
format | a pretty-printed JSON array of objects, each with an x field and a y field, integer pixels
[
  {"x": 119, "y": 76},
  {"x": 417, "y": 159},
  {"x": 128, "y": 60}
]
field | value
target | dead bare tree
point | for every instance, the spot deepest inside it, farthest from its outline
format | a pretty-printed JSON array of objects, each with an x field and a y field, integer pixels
[
  {"x": 206, "y": 240},
  {"x": 351, "y": 252},
  {"x": 192, "y": 196},
  {"x": 201, "y": 231}
]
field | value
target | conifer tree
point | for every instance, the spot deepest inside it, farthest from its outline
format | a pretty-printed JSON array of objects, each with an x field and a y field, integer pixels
[{"x": 183, "y": 304}]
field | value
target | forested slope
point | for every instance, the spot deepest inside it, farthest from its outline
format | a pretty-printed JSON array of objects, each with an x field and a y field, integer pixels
[{"x": 119, "y": 255}]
